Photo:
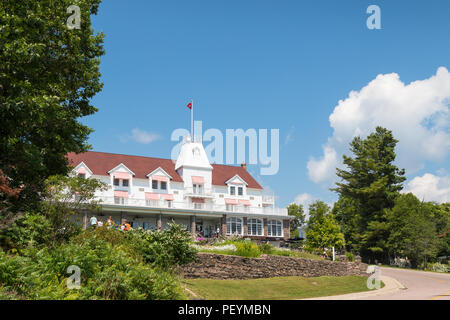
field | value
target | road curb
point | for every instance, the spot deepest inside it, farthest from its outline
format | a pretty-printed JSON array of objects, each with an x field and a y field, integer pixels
[{"x": 390, "y": 285}]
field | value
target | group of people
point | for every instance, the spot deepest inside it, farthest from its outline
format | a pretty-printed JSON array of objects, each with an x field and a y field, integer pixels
[{"x": 94, "y": 223}]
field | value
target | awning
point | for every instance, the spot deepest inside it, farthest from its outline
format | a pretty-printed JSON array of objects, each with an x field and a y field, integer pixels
[
  {"x": 231, "y": 201},
  {"x": 166, "y": 196},
  {"x": 81, "y": 170},
  {"x": 244, "y": 202},
  {"x": 198, "y": 200},
  {"x": 120, "y": 194},
  {"x": 197, "y": 179},
  {"x": 159, "y": 178},
  {"x": 122, "y": 175},
  {"x": 151, "y": 196}
]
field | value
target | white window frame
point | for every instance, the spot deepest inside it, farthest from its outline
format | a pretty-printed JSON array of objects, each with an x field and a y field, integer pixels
[
  {"x": 257, "y": 224},
  {"x": 275, "y": 224},
  {"x": 238, "y": 223}
]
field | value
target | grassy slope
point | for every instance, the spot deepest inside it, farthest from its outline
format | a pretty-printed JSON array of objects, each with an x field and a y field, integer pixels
[{"x": 279, "y": 288}]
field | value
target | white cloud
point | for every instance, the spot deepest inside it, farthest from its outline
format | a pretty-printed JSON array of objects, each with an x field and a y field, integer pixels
[
  {"x": 289, "y": 137},
  {"x": 305, "y": 199},
  {"x": 418, "y": 114},
  {"x": 430, "y": 188},
  {"x": 320, "y": 169},
  {"x": 140, "y": 136}
]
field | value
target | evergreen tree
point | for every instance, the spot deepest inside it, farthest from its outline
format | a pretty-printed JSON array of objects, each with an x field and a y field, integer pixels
[{"x": 372, "y": 182}]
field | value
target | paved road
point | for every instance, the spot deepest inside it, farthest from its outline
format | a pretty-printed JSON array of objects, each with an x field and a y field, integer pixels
[{"x": 419, "y": 285}]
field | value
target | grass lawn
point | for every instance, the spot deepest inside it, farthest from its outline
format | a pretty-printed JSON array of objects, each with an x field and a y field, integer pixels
[{"x": 279, "y": 288}]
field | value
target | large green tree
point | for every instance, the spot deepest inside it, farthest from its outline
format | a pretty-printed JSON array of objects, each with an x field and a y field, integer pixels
[
  {"x": 413, "y": 229},
  {"x": 296, "y": 210},
  {"x": 322, "y": 230},
  {"x": 372, "y": 181},
  {"x": 48, "y": 74}
]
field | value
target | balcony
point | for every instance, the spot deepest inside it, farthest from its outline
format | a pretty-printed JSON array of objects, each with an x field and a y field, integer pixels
[
  {"x": 163, "y": 204},
  {"x": 198, "y": 192}
]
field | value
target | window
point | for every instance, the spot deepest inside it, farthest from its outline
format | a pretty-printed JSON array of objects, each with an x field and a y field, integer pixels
[
  {"x": 231, "y": 207},
  {"x": 154, "y": 184},
  {"x": 275, "y": 228},
  {"x": 125, "y": 183},
  {"x": 197, "y": 188},
  {"x": 232, "y": 191},
  {"x": 198, "y": 205},
  {"x": 120, "y": 200},
  {"x": 254, "y": 227},
  {"x": 169, "y": 203},
  {"x": 82, "y": 175},
  {"x": 240, "y": 191},
  {"x": 234, "y": 226},
  {"x": 116, "y": 182},
  {"x": 163, "y": 185}
]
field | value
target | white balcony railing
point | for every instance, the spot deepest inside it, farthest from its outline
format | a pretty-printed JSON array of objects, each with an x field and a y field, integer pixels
[
  {"x": 130, "y": 201},
  {"x": 206, "y": 192}
]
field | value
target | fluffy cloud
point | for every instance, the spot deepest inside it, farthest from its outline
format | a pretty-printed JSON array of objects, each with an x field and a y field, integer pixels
[
  {"x": 430, "y": 188},
  {"x": 305, "y": 199},
  {"x": 140, "y": 136},
  {"x": 418, "y": 114},
  {"x": 320, "y": 169}
]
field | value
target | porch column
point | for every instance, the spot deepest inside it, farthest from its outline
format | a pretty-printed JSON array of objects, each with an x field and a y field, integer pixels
[
  {"x": 286, "y": 230},
  {"x": 224, "y": 225},
  {"x": 159, "y": 222},
  {"x": 266, "y": 228},
  {"x": 193, "y": 226},
  {"x": 244, "y": 221}
]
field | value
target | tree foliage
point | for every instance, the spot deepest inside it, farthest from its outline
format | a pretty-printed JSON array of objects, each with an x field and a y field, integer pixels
[
  {"x": 371, "y": 184},
  {"x": 296, "y": 210},
  {"x": 48, "y": 75},
  {"x": 323, "y": 231}
]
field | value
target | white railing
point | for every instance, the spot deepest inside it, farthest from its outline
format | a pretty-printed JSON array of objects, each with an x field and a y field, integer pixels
[
  {"x": 189, "y": 191},
  {"x": 192, "y": 206}
]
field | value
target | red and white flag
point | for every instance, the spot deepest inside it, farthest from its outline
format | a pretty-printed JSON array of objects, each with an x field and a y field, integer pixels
[{"x": 190, "y": 105}]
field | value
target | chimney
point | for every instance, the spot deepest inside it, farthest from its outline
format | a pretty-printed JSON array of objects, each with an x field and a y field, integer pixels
[{"x": 244, "y": 165}]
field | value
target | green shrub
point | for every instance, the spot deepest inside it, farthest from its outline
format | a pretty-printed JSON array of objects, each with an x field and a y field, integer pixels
[
  {"x": 164, "y": 248},
  {"x": 107, "y": 272},
  {"x": 247, "y": 249},
  {"x": 266, "y": 248},
  {"x": 350, "y": 256}
]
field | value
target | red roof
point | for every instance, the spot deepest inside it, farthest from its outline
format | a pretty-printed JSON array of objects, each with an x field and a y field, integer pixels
[{"x": 101, "y": 162}]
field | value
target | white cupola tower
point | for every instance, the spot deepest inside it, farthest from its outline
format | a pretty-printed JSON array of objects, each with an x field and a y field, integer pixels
[{"x": 193, "y": 164}]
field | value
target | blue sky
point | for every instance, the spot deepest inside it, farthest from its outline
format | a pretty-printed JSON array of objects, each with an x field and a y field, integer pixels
[{"x": 270, "y": 64}]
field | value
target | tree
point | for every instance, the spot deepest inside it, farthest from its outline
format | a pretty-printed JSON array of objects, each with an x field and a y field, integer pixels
[
  {"x": 296, "y": 210},
  {"x": 412, "y": 230},
  {"x": 322, "y": 231},
  {"x": 54, "y": 222},
  {"x": 372, "y": 182},
  {"x": 48, "y": 75}
]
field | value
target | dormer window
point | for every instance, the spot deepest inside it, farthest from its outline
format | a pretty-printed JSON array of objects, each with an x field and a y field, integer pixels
[
  {"x": 82, "y": 175},
  {"x": 232, "y": 190},
  {"x": 116, "y": 182},
  {"x": 125, "y": 182},
  {"x": 159, "y": 182},
  {"x": 240, "y": 191}
]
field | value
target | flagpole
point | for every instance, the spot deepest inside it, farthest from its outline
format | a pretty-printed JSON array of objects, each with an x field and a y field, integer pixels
[{"x": 192, "y": 120}]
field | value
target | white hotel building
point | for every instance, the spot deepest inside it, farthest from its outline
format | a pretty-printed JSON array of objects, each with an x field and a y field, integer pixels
[{"x": 151, "y": 192}]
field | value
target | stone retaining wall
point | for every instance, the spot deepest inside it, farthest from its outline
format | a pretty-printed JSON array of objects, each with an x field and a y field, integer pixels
[{"x": 218, "y": 266}]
